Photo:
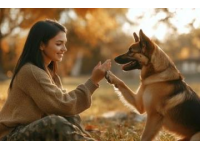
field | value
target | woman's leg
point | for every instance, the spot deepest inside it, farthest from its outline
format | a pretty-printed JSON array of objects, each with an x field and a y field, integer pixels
[
  {"x": 51, "y": 128},
  {"x": 76, "y": 120}
]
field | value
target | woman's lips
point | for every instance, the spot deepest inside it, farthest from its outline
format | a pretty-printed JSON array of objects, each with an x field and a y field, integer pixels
[{"x": 60, "y": 54}]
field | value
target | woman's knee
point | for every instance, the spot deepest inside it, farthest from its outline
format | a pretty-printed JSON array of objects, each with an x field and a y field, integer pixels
[{"x": 54, "y": 121}]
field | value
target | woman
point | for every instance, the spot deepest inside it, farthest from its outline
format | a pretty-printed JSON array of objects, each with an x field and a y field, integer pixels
[{"x": 37, "y": 107}]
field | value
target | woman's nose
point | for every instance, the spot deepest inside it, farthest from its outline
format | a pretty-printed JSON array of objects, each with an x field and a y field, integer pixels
[{"x": 64, "y": 48}]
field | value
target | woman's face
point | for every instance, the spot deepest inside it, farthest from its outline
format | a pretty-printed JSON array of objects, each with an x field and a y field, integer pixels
[{"x": 55, "y": 48}]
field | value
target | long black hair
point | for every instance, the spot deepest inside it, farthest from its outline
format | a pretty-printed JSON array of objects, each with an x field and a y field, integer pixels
[{"x": 41, "y": 32}]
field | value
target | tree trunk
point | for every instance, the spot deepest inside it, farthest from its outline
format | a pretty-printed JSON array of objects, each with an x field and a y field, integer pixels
[
  {"x": 78, "y": 64},
  {"x": 1, "y": 36},
  {"x": 1, "y": 68},
  {"x": 2, "y": 75}
]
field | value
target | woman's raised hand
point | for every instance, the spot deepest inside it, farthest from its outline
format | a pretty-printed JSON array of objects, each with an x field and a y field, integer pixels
[{"x": 99, "y": 71}]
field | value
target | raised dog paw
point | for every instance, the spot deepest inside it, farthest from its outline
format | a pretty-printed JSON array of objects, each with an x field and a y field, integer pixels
[
  {"x": 107, "y": 76},
  {"x": 112, "y": 79}
]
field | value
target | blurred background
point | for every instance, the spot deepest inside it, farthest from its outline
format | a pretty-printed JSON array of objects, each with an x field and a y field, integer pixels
[{"x": 98, "y": 34}]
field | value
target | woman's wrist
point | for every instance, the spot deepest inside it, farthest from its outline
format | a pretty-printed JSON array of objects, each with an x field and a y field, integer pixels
[{"x": 94, "y": 81}]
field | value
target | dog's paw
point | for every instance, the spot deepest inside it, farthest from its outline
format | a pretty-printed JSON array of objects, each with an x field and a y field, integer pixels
[
  {"x": 112, "y": 79},
  {"x": 107, "y": 77}
]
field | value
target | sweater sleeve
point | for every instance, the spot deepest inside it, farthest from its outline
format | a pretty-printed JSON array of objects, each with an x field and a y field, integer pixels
[{"x": 36, "y": 83}]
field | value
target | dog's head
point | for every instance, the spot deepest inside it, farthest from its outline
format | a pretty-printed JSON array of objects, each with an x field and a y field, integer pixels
[{"x": 139, "y": 53}]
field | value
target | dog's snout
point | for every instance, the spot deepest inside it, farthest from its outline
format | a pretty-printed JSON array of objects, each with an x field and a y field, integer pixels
[
  {"x": 117, "y": 59},
  {"x": 122, "y": 59}
]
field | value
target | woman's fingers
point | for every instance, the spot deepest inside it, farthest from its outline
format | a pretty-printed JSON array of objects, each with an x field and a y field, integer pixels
[
  {"x": 100, "y": 70},
  {"x": 106, "y": 65},
  {"x": 98, "y": 65}
]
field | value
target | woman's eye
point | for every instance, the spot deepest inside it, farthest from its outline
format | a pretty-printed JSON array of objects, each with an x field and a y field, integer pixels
[{"x": 58, "y": 44}]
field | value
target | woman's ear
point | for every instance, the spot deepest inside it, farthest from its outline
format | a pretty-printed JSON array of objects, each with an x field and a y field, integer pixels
[{"x": 42, "y": 46}]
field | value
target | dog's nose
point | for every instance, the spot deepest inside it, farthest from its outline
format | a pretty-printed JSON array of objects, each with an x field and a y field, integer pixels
[
  {"x": 122, "y": 59},
  {"x": 118, "y": 60},
  {"x": 115, "y": 59}
]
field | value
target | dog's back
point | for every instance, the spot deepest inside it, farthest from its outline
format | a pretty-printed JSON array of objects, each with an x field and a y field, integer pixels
[{"x": 186, "y": 114}]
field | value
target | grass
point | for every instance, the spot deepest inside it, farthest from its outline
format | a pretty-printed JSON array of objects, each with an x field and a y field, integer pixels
[{"x": 105, "y": 100}]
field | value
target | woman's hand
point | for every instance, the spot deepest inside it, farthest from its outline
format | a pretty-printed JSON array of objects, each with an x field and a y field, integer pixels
[{"x": 99, "y": 71}]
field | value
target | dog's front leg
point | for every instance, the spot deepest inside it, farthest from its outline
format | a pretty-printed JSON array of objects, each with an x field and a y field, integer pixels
[
  {"x": 153, "y": 125},
  {"x": 126, "y": 92}
]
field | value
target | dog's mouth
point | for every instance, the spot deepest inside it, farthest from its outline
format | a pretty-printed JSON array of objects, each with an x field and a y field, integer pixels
[{"x": 131, "y": 65}]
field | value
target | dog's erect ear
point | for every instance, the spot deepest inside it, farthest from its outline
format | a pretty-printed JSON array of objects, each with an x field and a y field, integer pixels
[
  {"x": 136, "y": 37},
  {"x": 145, "y": 41}
]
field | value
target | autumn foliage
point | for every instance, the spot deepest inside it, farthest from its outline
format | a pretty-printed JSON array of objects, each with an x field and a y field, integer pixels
[{"x": 94, "y": 34}]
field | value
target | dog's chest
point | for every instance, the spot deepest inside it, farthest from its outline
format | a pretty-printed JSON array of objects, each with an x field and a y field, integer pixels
[
  {"x": 152, "y": 100},
  {"x": 147, "y": 99}
]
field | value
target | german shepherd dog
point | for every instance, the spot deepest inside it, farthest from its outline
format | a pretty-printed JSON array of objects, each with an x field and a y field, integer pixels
[{"x": 167, "y": 100}]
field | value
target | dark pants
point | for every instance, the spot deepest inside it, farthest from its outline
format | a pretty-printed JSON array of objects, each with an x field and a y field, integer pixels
[{"x": 51, "y": 128}]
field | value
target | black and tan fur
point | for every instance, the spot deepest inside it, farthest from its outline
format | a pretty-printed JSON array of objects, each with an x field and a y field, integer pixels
[{"x": 168, "y": 101}]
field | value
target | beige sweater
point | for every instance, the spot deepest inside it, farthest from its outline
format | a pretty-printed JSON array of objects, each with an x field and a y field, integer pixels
[{"x": 34, "y": 95}]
